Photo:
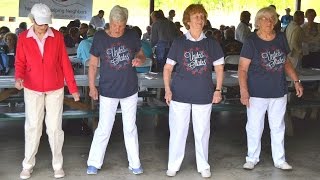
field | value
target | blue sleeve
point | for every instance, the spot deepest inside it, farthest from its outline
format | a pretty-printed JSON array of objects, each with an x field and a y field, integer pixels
[
  {"x": 173, "y": 50},
  {"x": 247, "y": 50},
  {"x": 134, "y": 36},
  {"x": 95, "y": 50}
]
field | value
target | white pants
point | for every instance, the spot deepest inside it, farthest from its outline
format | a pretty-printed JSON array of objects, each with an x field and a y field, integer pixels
[
  {"x": 276, "y": 108},
  {"x": 36, "y": 104},
  {"x": 179, "y": 118},
  {"x": 108, "y": 107}
]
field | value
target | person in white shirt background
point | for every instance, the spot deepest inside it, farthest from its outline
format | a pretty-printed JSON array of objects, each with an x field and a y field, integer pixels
[{"x": 98, "y": 21}]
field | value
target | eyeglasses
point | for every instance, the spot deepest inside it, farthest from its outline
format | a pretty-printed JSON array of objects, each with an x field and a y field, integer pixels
[{"x": 265, "y": 19}]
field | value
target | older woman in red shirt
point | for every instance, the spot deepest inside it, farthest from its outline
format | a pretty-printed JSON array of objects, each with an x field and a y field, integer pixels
[{"x": 41, "y": 67}]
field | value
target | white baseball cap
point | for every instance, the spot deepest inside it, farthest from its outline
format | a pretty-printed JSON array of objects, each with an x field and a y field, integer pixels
[{"x": 41, "y": 14}]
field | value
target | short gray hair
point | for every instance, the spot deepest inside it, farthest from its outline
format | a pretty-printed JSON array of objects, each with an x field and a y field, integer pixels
[
  {"x": 118, "y": 13},
  {"x": 262, "y": 13}
]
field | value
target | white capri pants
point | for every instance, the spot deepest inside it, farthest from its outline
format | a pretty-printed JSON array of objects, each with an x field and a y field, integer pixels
[
  {"x": 276, "y": 108},
  {"x": 36, "y": 103},
  {"x": 108, "y": 108},
  {"x": 179, "y": 119}
]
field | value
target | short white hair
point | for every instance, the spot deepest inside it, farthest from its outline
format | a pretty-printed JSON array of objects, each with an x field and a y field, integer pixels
[
  {"x": 118, "y": 13},
  {"x": 263, "y": 12}
]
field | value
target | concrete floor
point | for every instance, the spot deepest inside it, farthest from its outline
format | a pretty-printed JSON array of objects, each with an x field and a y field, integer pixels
[{"x": 226, "y": 157}]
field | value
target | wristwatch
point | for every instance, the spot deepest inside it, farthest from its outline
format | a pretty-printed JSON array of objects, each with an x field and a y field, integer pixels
[{"x": 299, "y": 81}]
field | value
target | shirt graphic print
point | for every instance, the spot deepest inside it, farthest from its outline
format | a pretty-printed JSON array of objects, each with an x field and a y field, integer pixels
[
  {"x": 273, "y": 59},
  {"x": 195, "y": 61},
  {"x": 118, "y": 56}
]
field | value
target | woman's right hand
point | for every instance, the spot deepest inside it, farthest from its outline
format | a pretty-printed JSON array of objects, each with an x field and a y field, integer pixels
[
  {"x": 168, "y": 96},
  {"x": 19, "y": 84},
  {"x": 245, "y": 98},
  {"x": 93, "y": 93}
]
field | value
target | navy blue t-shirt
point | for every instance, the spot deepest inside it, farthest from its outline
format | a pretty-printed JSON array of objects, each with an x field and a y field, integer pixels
[
  {"x": 192, "y": 82},
  {"x": 266, "y": 76},
  {"x": 118, "y": 79}
]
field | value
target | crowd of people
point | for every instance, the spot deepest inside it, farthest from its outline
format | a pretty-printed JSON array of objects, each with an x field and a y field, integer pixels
[{"x": 267, "y": 55}]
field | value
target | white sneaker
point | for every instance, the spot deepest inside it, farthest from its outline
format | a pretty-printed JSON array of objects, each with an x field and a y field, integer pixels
[
  {"x": 283, "y": 166},
  {"x": 171, "y": 173},
  {"x": 248, "y": 165},
  {"x": 25, "y": 173},
  {"x": 206, "y": 173},
  {"x": 59, "y": 173}
]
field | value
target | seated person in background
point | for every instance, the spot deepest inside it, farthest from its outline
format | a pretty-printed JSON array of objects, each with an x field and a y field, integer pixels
[
  {"x": 75, "y": 35},
  {"x": 22, "y": 27},
  {"x": 67, "y": 38},
  {"x": 4, "y": 60},
  {"x": 83, "y": 29},
  {"x": 231, "y": 46},
  {"x": 77, "y": 23},
  {"x": 11, "y": 40},
  {"x": 146, "y": 36},
  {"x": 146, "y": 47},
  {"x": 7, "y": 53},
  {"x": 217, "y": 36},
  {"x": 311, "y": 39},
  {"x": 209, "y": 32},
  {"x": 83, "y": 50},
  {"x": 147, "y": 50},
  {"x": 3, "y": 30}
]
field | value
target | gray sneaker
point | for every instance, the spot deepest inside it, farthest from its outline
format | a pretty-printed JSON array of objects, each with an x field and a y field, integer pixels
[{"x": 248, "y": 165}]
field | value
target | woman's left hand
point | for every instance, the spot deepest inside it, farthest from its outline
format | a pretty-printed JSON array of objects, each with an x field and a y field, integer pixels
[
  {"x": 76, "y": 96},
  {"x": 136, "y": 62},
  {"x": 217, "y": 97},
  {"x": 299, "y": 89}
]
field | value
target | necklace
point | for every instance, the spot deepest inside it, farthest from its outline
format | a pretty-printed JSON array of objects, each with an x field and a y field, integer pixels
[{"x": 266, "y": 36}]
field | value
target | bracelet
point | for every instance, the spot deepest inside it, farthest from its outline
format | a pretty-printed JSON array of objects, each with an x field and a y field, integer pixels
[{"x": 218, "y": 90}]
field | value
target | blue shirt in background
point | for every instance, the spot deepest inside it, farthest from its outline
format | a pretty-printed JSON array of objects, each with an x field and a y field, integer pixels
[
  {"x": 146, "y": 48},
  {"x": 83, "y": 51}
]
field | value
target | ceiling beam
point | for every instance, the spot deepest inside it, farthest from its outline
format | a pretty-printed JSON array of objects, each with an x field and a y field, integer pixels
[{"x": 298, "y": 5}]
